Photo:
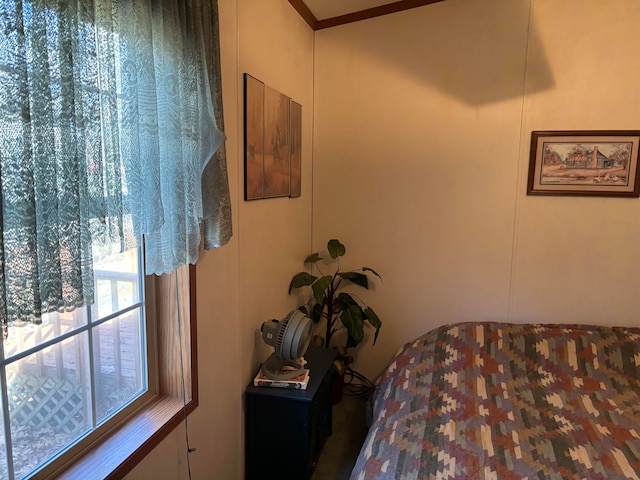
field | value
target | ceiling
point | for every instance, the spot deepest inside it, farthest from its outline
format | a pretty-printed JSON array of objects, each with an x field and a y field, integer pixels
[{"x": 321, "y": 14}]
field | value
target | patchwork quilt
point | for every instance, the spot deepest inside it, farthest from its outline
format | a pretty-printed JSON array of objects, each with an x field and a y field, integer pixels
[{"x": 507, "y": 401}]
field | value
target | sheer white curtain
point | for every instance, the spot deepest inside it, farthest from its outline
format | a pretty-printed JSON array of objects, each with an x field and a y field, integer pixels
[{"x": 110, "y": 130}]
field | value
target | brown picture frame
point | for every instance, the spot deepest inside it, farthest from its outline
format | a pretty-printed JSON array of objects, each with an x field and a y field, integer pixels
[{"x": 586, "y": 163}]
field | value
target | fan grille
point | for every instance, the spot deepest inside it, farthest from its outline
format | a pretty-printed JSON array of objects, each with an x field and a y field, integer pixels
[
  {"x": 293, "y": 335},
  {"x": 280, "y": 340}
]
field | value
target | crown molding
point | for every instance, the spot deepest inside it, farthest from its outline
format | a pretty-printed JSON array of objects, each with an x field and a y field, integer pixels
[
  {"x": 305, "y": 13},
  {"x": 394, "y": 7}
]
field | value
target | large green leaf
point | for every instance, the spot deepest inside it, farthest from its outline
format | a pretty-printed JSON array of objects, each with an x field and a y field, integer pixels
[
  {"x": 302, "y": 279},
  {"x": 336, "y": 249},
  {"x": 346, "y": 299},
  {"x": 372, "y": 318},
  {"x": 313, "y": 258},
  {"x": 367, "y": 269},
  {"x": 316, "y": 313},
  {"x": 319, "y": 288},
  {"x": 358, "y": 278},
  {"x": 353, "y": 320}
]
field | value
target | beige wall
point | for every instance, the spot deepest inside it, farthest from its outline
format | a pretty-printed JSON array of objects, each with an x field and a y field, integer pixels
[
  {"x": 245, "y": 282},
  {"x": 422, "y": 124},
  {"x": 422, "y": 129},
  {"x": 580, "y": 257},
  {"x": 276, "y": 46}
]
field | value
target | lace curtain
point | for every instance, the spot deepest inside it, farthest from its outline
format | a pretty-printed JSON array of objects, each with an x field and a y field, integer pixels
[{"x": 110, "y": 131}]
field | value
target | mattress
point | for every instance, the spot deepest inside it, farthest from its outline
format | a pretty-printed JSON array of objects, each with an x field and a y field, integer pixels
[{"x": 508, "y": 401}]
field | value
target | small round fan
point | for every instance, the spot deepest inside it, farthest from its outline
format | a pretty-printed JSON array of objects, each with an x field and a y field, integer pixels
[{"x": 290, "y": 338}]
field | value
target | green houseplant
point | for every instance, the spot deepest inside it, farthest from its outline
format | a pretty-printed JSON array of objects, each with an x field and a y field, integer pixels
[{"x": 340, "y": 310}]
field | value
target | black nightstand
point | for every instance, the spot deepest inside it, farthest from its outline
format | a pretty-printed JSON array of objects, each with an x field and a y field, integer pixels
[{"x": 286, "y": 429}]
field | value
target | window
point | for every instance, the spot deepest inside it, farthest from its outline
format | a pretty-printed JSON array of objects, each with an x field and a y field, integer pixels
[
  {"x": 109, "y": 131},
  {"x": 172, "y": 303},
  {"x": 64, "y": 379},
  {"x": 153, "y": 415}
]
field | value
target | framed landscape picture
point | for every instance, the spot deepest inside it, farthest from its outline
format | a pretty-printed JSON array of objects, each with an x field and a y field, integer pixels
[{"x": 598, "y": 162}]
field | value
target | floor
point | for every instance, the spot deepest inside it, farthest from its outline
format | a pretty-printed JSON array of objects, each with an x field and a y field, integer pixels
[{"x": 342, "y": 447}]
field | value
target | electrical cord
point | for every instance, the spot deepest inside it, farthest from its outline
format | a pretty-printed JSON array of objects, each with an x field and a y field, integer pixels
[
  {"x": 356, "y": 384},
  {"x": 184, "y": 395}
]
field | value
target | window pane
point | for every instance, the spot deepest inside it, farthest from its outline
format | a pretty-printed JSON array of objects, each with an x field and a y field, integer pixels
[
  {"x": 119, "y": 360},
  {"x": 117, "y": 283},
  {"x": 49, "y": 402},
  {"x": 23, "y": 336}
]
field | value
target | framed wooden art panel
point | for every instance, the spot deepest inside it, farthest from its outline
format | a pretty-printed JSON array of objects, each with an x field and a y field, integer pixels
[
  {"x": 277, "y": 162},
  {"x": 296, "y": 149},
  {"x": 253, "y": 138},
  {"x": 272, "y": 142}
]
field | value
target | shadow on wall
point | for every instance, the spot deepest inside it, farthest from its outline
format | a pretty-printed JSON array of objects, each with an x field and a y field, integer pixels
[
  {"x": 260, "y": 351},
  {"x": 471, "y": 50}
]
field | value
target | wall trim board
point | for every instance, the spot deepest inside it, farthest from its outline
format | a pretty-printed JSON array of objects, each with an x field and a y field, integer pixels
[
  {"x": 394, "y": 7},
  {"x": 305, "y": 13}
]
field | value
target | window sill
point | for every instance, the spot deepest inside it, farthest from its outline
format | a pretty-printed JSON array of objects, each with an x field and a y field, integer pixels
[{"x": 122, "y": 450}]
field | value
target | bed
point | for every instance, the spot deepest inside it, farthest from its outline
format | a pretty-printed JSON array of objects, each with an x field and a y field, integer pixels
[{"x": 508, "y": 401}]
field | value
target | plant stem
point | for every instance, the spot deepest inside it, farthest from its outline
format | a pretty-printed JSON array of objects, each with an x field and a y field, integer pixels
[
  {"x": 331, "y": 292},
  {"x": 329, "y": 300}
]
